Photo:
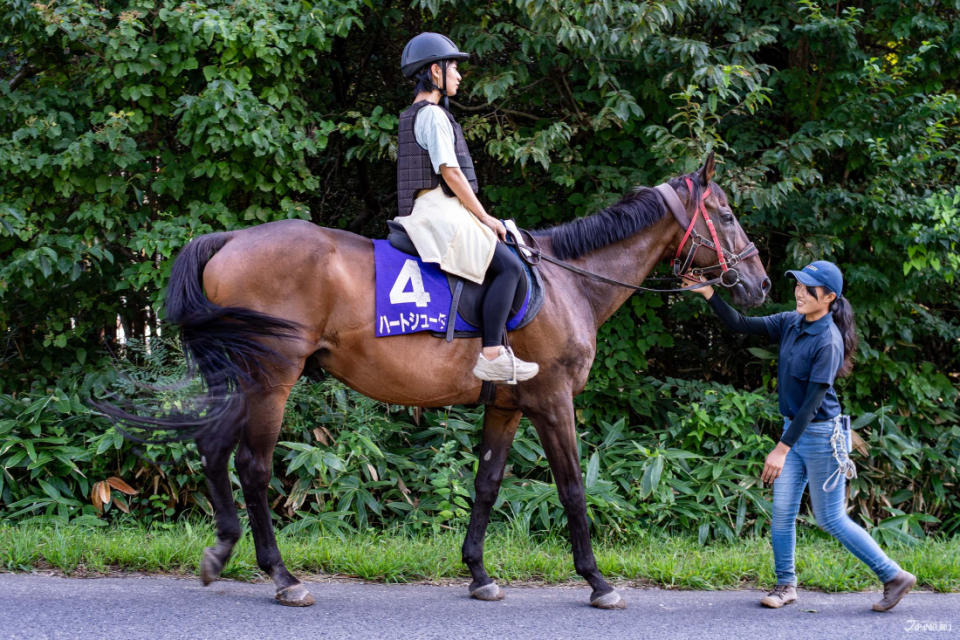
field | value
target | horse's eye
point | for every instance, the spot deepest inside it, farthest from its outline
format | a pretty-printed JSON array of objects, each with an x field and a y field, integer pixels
[{"x": 727, "y": 218}]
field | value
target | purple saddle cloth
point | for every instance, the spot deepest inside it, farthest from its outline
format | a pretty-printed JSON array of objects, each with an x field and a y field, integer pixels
[{"x": 413, "y": 296}]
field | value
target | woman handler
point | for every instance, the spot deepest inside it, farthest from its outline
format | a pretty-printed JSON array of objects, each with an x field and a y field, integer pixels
[
  {"x": 817, "y": 344},
  {"x": 438, "y": 206}
]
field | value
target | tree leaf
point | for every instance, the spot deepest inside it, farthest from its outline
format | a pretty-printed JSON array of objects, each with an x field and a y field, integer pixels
[
  {"x": 121, "y": 486},
  {"x": 593, "y": 468},
  {"x": 95, "y": 497},
  {"x": 651, "y": 476},
  {"x": 104, "y": 491}
]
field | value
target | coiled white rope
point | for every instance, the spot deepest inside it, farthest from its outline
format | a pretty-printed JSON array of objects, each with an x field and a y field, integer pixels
[{"x": 845, "y": 466}]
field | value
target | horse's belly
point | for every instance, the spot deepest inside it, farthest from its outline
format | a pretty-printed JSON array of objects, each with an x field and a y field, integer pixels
[{"x": 416, "y": 370}]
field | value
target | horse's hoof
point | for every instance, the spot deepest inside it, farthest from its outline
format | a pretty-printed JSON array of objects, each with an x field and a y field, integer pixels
[
  {"x": 488, "y": 592},
  {"x": 210, "y": 566},
  {"x": 611, "y": 600},
  {"x": 295, "y": 596}
]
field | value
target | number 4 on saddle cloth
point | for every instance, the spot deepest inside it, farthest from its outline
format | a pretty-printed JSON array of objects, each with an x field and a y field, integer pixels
[{"x": 413, "y": 295}]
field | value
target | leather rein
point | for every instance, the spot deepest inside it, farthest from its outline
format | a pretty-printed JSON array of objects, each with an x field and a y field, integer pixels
[{"x": 726, "y": 260}]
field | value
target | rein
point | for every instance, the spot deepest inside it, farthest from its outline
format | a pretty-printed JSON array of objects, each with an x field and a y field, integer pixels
[
  {"x": 725, "y": 259},
  {"x": 537, "y": 255}
]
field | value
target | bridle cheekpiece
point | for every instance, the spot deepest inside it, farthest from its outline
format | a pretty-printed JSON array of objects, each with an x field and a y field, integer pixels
[{"x": 726, "y": 259}]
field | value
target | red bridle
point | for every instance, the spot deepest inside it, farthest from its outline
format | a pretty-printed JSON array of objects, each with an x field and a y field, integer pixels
[{"x": 725, "y": 259}]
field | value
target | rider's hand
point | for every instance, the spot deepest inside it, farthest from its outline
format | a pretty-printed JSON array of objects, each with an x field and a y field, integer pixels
[
  {"x": 689, "y": 280},
  {"x": 497, "y": 227}
]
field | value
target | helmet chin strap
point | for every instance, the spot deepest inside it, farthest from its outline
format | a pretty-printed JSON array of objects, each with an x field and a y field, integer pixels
[{"x": 443, "y": 89}]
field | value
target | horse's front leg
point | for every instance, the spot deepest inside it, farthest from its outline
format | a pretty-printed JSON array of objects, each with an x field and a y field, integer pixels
[
  {"x": 253, "y": 461},
  {"x": 557, "y": 430},
  {"x": 499, "y": 427}
]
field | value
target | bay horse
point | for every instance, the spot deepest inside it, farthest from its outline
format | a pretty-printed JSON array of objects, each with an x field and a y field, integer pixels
[{"x": 258, "y": 305}]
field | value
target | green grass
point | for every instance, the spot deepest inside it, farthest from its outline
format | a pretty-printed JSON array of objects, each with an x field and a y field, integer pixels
[{"x": 669, "y": 561}]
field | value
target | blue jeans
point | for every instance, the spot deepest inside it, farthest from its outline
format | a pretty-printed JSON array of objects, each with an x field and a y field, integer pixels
[{"x": 811, "y": 459}]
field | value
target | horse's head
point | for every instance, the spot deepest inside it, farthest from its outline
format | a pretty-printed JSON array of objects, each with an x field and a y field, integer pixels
[{"x": 708, "y": 221}]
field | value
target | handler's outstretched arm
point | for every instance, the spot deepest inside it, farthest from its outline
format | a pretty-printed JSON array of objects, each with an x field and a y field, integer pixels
[{"x": 731, "y": 318}]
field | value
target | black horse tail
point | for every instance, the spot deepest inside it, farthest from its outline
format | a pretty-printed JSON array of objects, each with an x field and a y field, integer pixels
[{"x": 225, "y": 345}]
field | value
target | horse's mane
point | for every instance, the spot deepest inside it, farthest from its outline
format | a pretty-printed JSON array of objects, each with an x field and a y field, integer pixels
[{"x": 635, "y": 211}]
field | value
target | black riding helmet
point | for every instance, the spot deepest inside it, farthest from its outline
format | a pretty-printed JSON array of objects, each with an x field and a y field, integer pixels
[{"x": 427, "y": 48}]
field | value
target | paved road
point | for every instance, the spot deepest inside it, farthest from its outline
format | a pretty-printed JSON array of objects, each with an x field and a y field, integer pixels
[{"x": 37, "y": 606}]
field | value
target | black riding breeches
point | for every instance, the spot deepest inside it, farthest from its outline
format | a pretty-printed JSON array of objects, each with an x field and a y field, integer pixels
[{"x": 505, "y": 271}]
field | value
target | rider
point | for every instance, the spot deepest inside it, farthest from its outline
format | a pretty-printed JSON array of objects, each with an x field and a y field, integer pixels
[{"x": 438, "y": 206}]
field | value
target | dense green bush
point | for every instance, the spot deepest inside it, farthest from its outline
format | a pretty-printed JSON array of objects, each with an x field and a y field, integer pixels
[
  {"x": 346, "y": 461},
  {"x": 690, "y": 462},
  {"x": 129, "y": 126}
]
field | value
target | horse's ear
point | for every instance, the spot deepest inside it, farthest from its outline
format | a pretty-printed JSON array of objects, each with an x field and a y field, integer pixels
[{"x": 707, "y": 170}]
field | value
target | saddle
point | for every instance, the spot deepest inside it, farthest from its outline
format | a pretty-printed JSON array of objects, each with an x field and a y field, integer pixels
[{"x": 467, "y": 297}]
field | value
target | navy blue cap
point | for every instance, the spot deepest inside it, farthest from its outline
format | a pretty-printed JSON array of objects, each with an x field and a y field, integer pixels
[{"x": 821, "y": 273}]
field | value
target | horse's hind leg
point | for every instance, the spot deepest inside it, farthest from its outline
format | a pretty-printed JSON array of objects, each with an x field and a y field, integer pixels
[
  {"x": 253, "y": 461},
  {"x": 554, "y": 421},
  {"x": 215, "y": 449},
  {"x": 499, "y": 427}
]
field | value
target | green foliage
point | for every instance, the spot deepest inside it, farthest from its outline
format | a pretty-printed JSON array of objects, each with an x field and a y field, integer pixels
[
  {"x": 364, "y": 464},
  {"x": 346, "y": 463},
  {"x": 936, "y": 240},
  {"x": 165, "y": 120},
  {"x": 40, "y": 457},
  {"x": 61, "y": 461},
  {"x": 369, "y": 464}
]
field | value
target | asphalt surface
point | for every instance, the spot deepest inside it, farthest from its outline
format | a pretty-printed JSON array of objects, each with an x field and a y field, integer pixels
[{"x": 38, "y": 606}]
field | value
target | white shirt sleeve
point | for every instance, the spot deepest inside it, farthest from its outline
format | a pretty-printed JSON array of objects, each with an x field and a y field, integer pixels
[{"x": 434, "y": 133}]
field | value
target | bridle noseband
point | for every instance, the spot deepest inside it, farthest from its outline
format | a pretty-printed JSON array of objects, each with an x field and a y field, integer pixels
[{"x": 726, "y": 259}]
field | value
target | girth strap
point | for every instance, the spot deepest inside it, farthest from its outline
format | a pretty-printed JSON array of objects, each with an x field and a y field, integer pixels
[{"x": 454, "y": 306}]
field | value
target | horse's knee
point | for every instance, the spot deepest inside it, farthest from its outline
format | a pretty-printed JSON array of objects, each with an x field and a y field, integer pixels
[
  {"x": 572, "y": 496},
  {"x": 487, "y": 487}
]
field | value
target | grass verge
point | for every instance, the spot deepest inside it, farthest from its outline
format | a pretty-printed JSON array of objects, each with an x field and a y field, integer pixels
[{"x": 654, "y": 559}]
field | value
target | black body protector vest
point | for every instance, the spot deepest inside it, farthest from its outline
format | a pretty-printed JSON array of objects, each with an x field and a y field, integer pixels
[{"x": 414, "y": 169}]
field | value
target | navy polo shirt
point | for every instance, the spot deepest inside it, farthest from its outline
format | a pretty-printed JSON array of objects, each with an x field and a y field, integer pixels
[{"x": 809, "y": 352}]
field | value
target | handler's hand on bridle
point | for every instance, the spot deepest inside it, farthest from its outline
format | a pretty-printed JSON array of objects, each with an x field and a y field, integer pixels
[{"x": 689, "y": 280}]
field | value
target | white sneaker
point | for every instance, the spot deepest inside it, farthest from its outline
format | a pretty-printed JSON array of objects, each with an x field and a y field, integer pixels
[
  {"x": 506, "y": 367},
  {"x": 782, "y": 594}
]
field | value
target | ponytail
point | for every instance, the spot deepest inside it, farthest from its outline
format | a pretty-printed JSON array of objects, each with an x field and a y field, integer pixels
[{"x": 843, "y": 318}]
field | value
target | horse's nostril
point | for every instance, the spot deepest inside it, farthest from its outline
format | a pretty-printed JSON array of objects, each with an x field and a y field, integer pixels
[{"x": 765, "y": 285}]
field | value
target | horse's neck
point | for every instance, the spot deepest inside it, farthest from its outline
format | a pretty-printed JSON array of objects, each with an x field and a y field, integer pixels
[{"x": 629, "y": 261}]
